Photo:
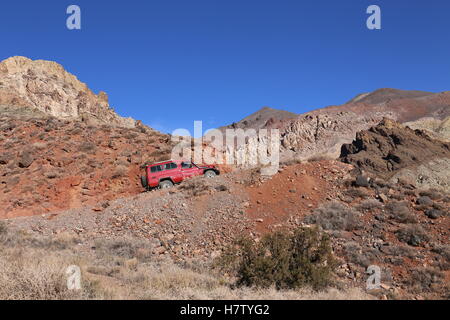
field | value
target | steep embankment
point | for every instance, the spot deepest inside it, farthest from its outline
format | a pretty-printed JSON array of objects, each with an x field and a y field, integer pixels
[
  {"x": 62, "y": 146},
  {"x": 49, "y": 164}
]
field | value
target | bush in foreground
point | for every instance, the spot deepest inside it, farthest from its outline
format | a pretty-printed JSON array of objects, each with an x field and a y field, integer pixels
[{"x": 302, "y": 258}]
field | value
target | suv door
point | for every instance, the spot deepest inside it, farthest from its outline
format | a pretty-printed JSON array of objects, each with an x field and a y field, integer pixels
[
  {"x": 154, "y": 173},
  {"x": 188, "y": 170},
  {"x": 173, "y": 171}
]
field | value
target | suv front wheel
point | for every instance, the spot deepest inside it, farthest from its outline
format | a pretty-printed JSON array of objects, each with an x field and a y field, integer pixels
[
  {"x": 166, "y": 184},
  {"x": 210, "y": 174}
]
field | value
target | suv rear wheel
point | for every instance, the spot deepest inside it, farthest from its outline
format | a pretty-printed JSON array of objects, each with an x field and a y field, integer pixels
[
  {"x": 210, "y": 174},
  {"x": 144, "y": 182},
  {"x": 166, "y": 184}
]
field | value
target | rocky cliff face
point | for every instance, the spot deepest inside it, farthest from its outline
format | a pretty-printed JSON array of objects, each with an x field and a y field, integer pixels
[
  {"x": 393, "y": 151},
  {"x": 321, "y": 135},
  {"x": 46, "y": 87}
]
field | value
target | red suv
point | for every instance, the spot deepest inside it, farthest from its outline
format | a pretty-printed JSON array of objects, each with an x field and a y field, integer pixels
[{"x": 167, "y": 173}]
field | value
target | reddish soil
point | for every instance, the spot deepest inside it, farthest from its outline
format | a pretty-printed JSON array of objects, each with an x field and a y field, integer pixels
[
  {"x": 52, "y": 165},
  {"x": 289, "y": 197},
  {"x": 293, "y": 193}
]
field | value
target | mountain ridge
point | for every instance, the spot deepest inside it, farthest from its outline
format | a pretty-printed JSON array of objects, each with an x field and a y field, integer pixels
[{"x": 46, "y": 86}]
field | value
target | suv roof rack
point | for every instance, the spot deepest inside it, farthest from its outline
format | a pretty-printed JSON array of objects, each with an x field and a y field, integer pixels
[
  {"x": 170, "y": 160},
  {"x": 159, "y": 162}
]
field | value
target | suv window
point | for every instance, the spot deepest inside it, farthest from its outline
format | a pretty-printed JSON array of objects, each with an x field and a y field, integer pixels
[
  {"x": 186, "y": 165},
  {"x": 155, "y": 169},
  {"x": 170, "y": 166}
]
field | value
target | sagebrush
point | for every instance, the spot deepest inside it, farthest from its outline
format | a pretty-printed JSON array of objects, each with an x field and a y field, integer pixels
[{"x": 286, "y": 260}]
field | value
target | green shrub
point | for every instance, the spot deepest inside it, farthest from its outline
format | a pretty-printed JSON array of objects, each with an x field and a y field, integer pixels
[{"x": 302, "y": 258}]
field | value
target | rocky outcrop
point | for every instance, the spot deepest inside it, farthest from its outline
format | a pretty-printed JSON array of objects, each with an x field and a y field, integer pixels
[
  {"x": 390, "y": 147},
  {"x": 46, "y": 87},
  {"x": 323, "y": 134},
  {"x": 438, "y": 129},
  {"x": 434, "y": 174}
]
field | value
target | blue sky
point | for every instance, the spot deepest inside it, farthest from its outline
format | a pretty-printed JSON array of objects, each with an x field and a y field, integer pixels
[{"x": 169, "y": 63}]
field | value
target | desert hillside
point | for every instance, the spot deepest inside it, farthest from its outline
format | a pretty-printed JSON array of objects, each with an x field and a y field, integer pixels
[
  {"x": 320, "y": 133},
  {"x": 62, "y": 146},
  {"x": 355, "y": 188},
  {"x": 48, "y": 164},
  {"x": 384, "y": 95}
]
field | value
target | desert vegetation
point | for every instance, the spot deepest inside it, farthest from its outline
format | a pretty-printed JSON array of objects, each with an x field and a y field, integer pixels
[
  {"x": 335, "y": 216},
  {"x": 286, "y": 260},
  {"x": 34, "y": 267}
]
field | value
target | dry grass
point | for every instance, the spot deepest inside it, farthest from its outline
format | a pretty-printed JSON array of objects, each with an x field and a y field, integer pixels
[
  {"x": 369, "y": 205},
  {"x": 412, "y": 234},
  {"x": 119, "y": 172},
  {"x": 34, "y": 269},
  {"x": 325, "y": 156},
  {"x": 196, "y": 186},
  {"x": 33, "y": 275},
  {"x": 400, "y": 212},
  {"x": 335, "y": 216}
]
